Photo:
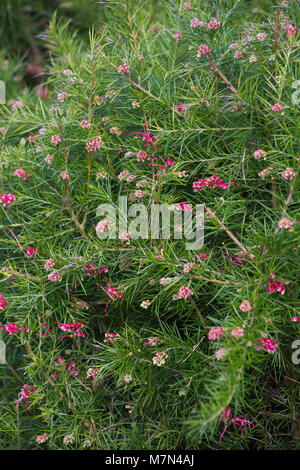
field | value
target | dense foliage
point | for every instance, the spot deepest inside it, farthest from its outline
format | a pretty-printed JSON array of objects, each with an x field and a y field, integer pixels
[{"x": 140, "y": 343}]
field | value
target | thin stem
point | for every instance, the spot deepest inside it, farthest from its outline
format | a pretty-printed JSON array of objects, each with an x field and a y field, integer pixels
[
  {"x": 131, "y": 26},
  {"x": 139, "y": 87},
  {"x": 229, "y": 233}
]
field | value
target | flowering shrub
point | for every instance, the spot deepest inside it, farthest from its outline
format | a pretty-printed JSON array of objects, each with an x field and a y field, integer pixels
[{"x": 114, "y": 342}]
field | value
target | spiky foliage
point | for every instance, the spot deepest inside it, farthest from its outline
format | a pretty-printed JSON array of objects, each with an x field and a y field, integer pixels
[{"x": 207, "y": 113}]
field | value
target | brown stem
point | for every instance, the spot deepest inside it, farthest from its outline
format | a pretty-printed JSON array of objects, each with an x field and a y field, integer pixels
[
  {"x": 221, "y": 75},
  {"x": 131, "y": 26},
  {"x": 229, "y": 233},
  {"x": 217, "y": 281},
  {"x": 201, "y": 318},
  {"x": 139, "y": 87},
  {"x": 23, "y": 276}
]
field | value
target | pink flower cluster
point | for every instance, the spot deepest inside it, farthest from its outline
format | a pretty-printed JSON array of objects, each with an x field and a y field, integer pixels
[
  {"x": 276, "y": 286},
  {"x": 73, "y": 328},
  {"x": 203, "y": 50},
  {"x": 285, "y": 223},
  {"x": 26, "y": 392},
  {"x": 277, "y": 107},
  {"x": 124, "y": 68},
  {"x": 16, "y": 105},
  {"x": 7, "y": 199},
  {"x": 183, "y": 293},
  {"x": 213, "y": 24},
  {"x": 85, "y": 124},
  {"x": 49, "y": 264},
  {"x": 177, "y": 36},
  {"x": 268, "y": 344},
  {"x": 13, "y": 328},
  {"x": 215, "y": 333},
  {"x": 31, "y": 252},
  {"x": 288, "y": 174},
  {"x": 259, "y": 153},
  {"x": 2, "y": 302},
  {"x": 94, "y": 144},
  {"x": 103, "y": 226},
  {"x": 55, "y": 276},
  {"x": 110, "y": 337},
  {"x": 21, "y": 173},
  {"x": 237, "y": 332},
  {"x": 187, "y": 6},
  {"x": 197, "y": 23},
  {"x": 212, "y": 182},
  {"x": 55, "y": 139},
  {"x": 65, "y": 175},
  {"x": 245, "y": 306},
  {"x": 153, "y": 341}
]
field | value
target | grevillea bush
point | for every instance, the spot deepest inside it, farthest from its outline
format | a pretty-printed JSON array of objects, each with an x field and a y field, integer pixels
[{"x": 131, "y": 343}]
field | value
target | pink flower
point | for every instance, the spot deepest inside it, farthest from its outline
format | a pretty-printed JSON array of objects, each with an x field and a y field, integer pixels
[
  {"x": 48, "y": 159},
  {"x": 94, "y": 144},
  {"x": 160, "y": 358},
  {"x": 135, "y": 104},
  {"x": 188, "y": 267},
  {"x": 221, "y": 353},
  {"x": 197, "y": 23},
  {"x": 203, "y": 50},
  {"x": 276, "y": 286},
  {"x": 262, "y": 174},
  {"x": 31, "y": 138},
  {"x": 142, "y": 156},
  {"x": 259, "y": 153},
  {"x": 288, "y": 174},
  {"x": 110, "y": 337},
  {"x": 177, "y": 36},
  {"x": 291, "y": 30},
  {"x": 187, "y": 6},
  {"x": 12, "y": 328},
  {"x": 50, "y": 263},
  {"x": 268, "y": 344},
  {"x": 277, "y": 107},
  {"x": 55, "y": 139},
  {"x": 7, "y": 199},
  {"x": 125, "y": 237},
  {"x": 62, "y": 96},
  {"x": 2, "y": 302},
  {"x": 294, "y": 319},
  {"x": 103, "y": 226},
  {"x": 212, "y": 182},
  {"x": 245, "y": 306},
  {"x": 124, "y": 68},
  {"x": 237, "y": 332},
  {"x": 238, "y": 54},
  {"x": 16, "y": 105},
  {"x": 31, "y": 252},
  {"x": 153, "y": 341},
  {"x": 85, "y": 124},
  {"x": 215, "y": 333},
  {"x": 261, "y": 36},
  {"x": 113, "y": 293},
  {"x": 239, "y": 421},
  {"x": 73, "y": 328},
  {"x": 67, "y": 72},
  {"x": 21, "y": 173},
  {"x": 147, "y": 137},
  {"x": 285, "y": 223},
  {"x": 213, "y": 24},
  {"x": 42, "y": 438},
  {"x": 55, "y": 276},
  {"x": 65, "y": 175},
  {"x": 183, "y": 293},
  {"x": 26, "y": 392}
]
